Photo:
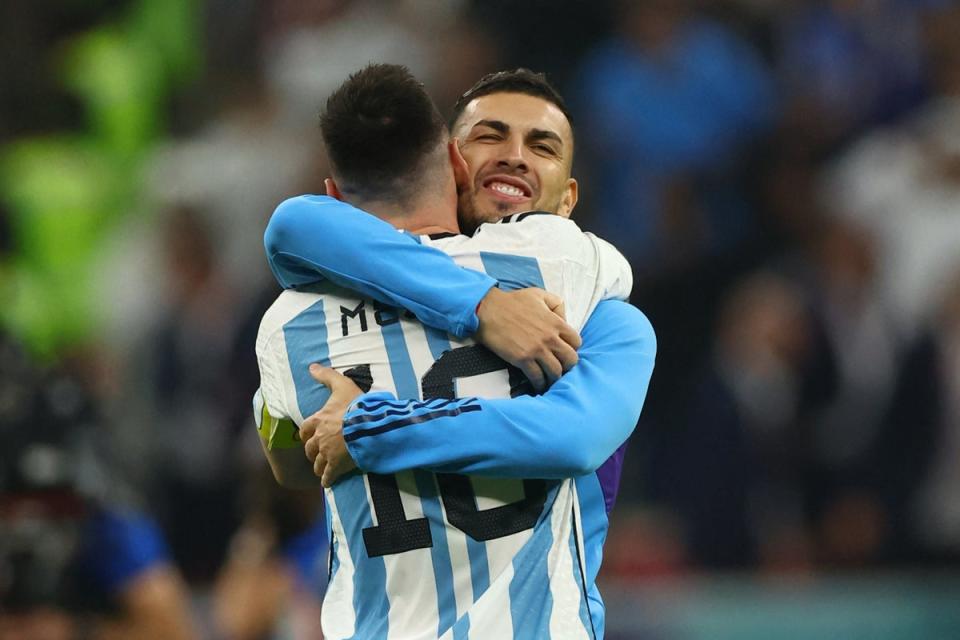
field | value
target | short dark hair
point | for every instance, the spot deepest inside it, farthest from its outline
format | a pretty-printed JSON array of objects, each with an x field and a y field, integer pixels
[
  {"x": 378, "y": 127},
  {"x": 519, "y": 80}
]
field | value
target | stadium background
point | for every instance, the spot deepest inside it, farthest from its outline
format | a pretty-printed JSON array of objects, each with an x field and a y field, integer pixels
[{"x": 784, "y": 177}]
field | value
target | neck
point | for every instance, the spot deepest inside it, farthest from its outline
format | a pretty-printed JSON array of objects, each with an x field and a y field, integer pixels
[{"x": 432, "y": 216}]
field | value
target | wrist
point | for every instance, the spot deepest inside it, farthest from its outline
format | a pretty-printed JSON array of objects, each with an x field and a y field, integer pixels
[{"x": 484, "y": 306}]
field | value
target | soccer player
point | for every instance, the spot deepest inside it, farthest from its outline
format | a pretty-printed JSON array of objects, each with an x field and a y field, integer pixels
[{"x": 419, "y": 554}]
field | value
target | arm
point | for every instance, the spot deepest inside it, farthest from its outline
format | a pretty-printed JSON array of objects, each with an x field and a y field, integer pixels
[
  {"x": 311, "y": 238},
  {"x": 567, "y": 432},
  {"x": 281, "y": 444}
]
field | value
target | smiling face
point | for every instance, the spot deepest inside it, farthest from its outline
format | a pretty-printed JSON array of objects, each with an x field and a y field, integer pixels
[{"x": 519, "y": 152}]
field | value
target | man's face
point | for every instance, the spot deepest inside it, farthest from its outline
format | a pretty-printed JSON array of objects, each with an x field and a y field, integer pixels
[{"x": 519, "y": 151}]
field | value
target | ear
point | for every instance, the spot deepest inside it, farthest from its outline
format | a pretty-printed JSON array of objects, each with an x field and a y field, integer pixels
[
  {"x": 461, "y": 173},
  {"x": 569, "y": 200},
  {"x": 332, "y": 189}
]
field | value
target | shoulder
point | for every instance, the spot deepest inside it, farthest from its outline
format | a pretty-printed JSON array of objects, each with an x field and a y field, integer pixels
[
  {"x": 305, "y": 201},
  {"x": 536, "y": 228},
  {"x": 288, "y": 305},
  {"x": 624, "y": 320},
  {"x": 292, "y": 214}
]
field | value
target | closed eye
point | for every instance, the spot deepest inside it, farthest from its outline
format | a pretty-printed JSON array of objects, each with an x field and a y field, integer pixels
[{"x": 545, "y": 148}]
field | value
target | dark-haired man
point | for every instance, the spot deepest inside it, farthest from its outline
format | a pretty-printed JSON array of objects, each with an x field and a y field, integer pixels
[
  {"x": 425, "y": 553},
  {"x": 514, "y": 133}
]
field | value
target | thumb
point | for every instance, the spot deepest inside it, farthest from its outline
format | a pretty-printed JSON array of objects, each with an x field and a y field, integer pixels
[{"x": 326, "y": 376}]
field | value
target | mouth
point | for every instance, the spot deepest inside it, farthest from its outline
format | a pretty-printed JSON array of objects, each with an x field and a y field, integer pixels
[{"x": 507, "y": 188}]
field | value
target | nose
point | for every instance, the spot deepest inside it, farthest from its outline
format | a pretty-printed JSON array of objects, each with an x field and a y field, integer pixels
[{"x": 512, "y": 156}]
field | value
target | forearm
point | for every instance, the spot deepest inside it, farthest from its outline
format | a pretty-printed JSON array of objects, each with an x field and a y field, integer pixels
[
  {"x": 313, "y": 238},
  {"x": 567, "y": 432},
  {"x": 291, "y": 468}
]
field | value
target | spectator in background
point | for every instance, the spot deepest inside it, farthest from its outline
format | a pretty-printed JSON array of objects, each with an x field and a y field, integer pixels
[
  {"x": 196, "y": 450},
  {"x": 733, "y": 470},
  {"x": 903, "y": 184},
  {"x": 860, "y": 341},
  {"x": 919, "y": 471},
  {"x": 275, "y": 575},
  {"x": 848, "y": 64},
  {"x": 76, "y": 560},
  {"x": 667, "y": 109},
  {"x": 313, "y": 46},
  {"x": 667, "y": 106}
]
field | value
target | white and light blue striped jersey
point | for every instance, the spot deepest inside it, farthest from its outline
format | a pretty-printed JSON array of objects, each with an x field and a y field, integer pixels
[
  {"x": 439, "y": 555},
  {"x": 590, "y": 411}
]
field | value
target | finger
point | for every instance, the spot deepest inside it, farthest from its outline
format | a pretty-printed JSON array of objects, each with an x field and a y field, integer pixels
[
  {"x": 312, "y": 449},
  {"x": 342, "y": 389},
  {"x": 555, "y": 304},
  {"x": 308, "y": 428},
  {"x": 319, "y": 467},
  {"x": 569, "y": 335},
  {"x": 330, "y": 475},
  {"x": 551, "y": 366},
  {"x": 325, "y": 375},
  {"x": 567, "y": 356},
  {"x": 531, "y": 369}
]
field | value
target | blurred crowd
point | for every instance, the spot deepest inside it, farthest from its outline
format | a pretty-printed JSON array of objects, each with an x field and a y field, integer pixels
[{"x": 783, "y": 176}]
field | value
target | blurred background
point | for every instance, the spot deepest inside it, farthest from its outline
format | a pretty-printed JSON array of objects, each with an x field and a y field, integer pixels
[{"x": 783, "y": 175}]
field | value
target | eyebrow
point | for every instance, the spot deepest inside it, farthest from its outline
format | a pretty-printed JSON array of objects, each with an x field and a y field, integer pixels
[{"x": 497, "y": 125}]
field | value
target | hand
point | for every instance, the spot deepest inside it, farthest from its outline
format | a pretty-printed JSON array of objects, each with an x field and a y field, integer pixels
[
  {"x": 322, "y": 433},
  {"x": 527, "y": 329}
]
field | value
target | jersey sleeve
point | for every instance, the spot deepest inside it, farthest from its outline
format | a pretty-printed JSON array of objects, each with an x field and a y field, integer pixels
[
  {"x": 615, "y": 276},
  {"x": 567, "y": 432},
  {"x": 312, "y": 238}
]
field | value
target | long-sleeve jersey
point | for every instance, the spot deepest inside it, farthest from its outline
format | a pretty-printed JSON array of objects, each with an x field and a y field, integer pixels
[{"x": 417, "y": 554}]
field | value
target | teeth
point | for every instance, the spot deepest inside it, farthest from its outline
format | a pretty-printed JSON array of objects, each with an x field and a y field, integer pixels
[{"x": 507, "y": 189}]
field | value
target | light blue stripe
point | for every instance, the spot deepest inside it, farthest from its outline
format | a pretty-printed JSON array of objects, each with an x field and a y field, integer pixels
[
  {"x": 439, "y": 552},
  {"x": 370, "y": 601},
  {"x": 594, "y": 524},
  {"x": 513, "y": 272},
  {"x": 306, "y": 340},
  {"x": 530, "y": 599},
  {"x": 408, "y": 388},
  {"x": 479, "y": 567},
  {"x": 438, "y": 342},
  {"x": 461, "y": 630}
]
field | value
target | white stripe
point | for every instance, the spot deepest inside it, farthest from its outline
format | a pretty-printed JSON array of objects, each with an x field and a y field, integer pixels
[
  {"x": 460, "y": 561},
  {"x": 410, "y": 579},
  {"x": 565, "y": 616},
  {"x": 358, "y": 347},
  {"x": 338, "y": 618},
  {"x": 490, "y": 616},
  {"x": 258, "y": 407}
]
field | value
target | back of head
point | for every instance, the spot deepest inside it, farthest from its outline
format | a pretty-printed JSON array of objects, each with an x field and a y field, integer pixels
[
  {"x": 523, "y": 81},
  {"x": 383, "y": 135}
]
